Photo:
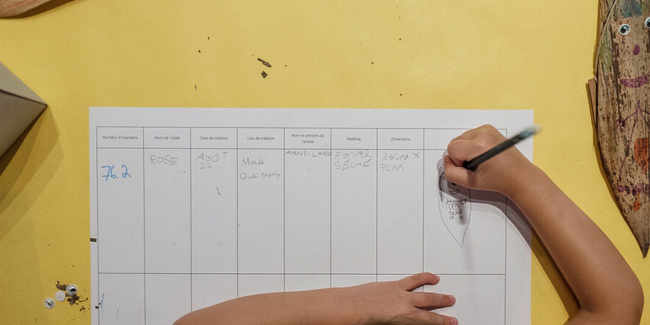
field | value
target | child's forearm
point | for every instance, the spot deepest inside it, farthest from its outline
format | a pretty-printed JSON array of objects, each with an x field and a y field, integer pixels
[
  {"x": 392, "y": 302},
  {"x": 306, "y": 307},
  {"x": 593, "y": 267}
]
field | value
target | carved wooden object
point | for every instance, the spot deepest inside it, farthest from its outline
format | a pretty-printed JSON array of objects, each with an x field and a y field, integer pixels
[
  {"x": 622, "y": 108},
  {"x": 10, "y": 8}
]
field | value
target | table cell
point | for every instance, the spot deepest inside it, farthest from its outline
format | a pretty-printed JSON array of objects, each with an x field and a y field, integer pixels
[
  {"x": 211, "y": 289},
  {"x": 354, "y": 139},
  {"x": 307, "y": 138},
  {"x": 214, "y": 138},
  {"x": 301, "y": 282},
  {"x": 260, "y": 138},
  {"x": 167, "y": 210},
  {"x": 412, "y": 139},
  {"x": 168, "y": 297},
  {"x": 121, "y": 298},
  {"x": 480, "y": 299},
  {"x": 261, "y": 211},
  {"x": 438, "y": 139},
  {"x": 307, "y": 211},
  {"x": 260, "y": 283},
  {"x": 349, "y": 280},
  {"x": 120, "y": 210},
  {"x": 167, "y": 138},
  {"x": 120, "y": 137},
  {"x": 400, "y": 216},
  {"x": 464, "y": 230},
  {"x": 214, "y": 210},
  {"x": 354, "y": 211}
]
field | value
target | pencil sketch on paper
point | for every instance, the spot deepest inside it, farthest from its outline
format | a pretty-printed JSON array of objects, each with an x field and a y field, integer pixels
[{"x": 455, "y": 206}]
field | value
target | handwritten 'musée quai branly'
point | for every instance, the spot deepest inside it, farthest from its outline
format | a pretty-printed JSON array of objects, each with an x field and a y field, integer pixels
[{"x": 254, "y": 162}]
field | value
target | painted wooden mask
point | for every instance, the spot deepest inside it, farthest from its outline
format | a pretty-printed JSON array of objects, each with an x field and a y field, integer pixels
[{"x": 622, "y": 108}]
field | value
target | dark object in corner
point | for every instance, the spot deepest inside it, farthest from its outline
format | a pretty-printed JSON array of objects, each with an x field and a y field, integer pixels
[
  {"x": 23, "y": 9},
  {"x": 265, "y": 63}
]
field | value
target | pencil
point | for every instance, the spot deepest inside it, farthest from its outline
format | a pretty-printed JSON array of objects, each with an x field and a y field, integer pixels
[{"x": 501, "y": 147}]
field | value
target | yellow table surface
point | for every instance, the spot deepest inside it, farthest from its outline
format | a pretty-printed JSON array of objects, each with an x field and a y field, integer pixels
[{"x": 477, "y": 54}]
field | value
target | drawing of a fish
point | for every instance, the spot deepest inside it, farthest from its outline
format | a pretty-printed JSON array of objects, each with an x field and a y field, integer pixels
[
  {"x": 620, "y": 97},
  {"x": 454, "y": 204}
]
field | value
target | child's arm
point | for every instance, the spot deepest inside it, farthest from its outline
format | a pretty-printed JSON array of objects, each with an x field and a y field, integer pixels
[
  {"x": 607, "y": 289},
  {"x": 372, "y": 303}
]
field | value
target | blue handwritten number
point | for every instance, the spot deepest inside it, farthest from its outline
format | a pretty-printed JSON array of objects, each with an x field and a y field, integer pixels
[
  {"x": 126, "y": 172},
  {"x": 110, "y": 175},
  {"x": 109, "y": 172}
]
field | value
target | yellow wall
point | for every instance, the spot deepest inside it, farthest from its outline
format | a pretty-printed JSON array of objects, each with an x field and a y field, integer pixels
[{"x": 505, "y": 54}]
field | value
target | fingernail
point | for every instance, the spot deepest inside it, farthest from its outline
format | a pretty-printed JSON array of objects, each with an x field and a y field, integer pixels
[
  {"x": 452, "y": 300},
  {"x": 453, "y": 321}
]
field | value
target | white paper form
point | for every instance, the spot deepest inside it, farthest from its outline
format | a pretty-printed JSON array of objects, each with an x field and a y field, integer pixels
[{"x": 194, "y": 206}]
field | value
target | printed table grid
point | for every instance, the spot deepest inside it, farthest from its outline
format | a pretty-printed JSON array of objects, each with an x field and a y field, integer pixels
[{"x": 106, "y": 176}]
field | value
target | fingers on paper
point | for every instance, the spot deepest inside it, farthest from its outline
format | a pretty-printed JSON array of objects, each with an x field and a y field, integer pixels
[
  {"x": 428, "y": 317},
  {"x": 430, "y": 300},
  {"x": 413, "y": 282},
  {"x": 465, "y": 150},
  {"x": 454, "y": 173},
  {"x": 470, "y": 134}
]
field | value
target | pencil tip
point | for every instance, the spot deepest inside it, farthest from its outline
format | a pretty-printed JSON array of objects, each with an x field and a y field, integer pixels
[{"x": 531, "y": 130}]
